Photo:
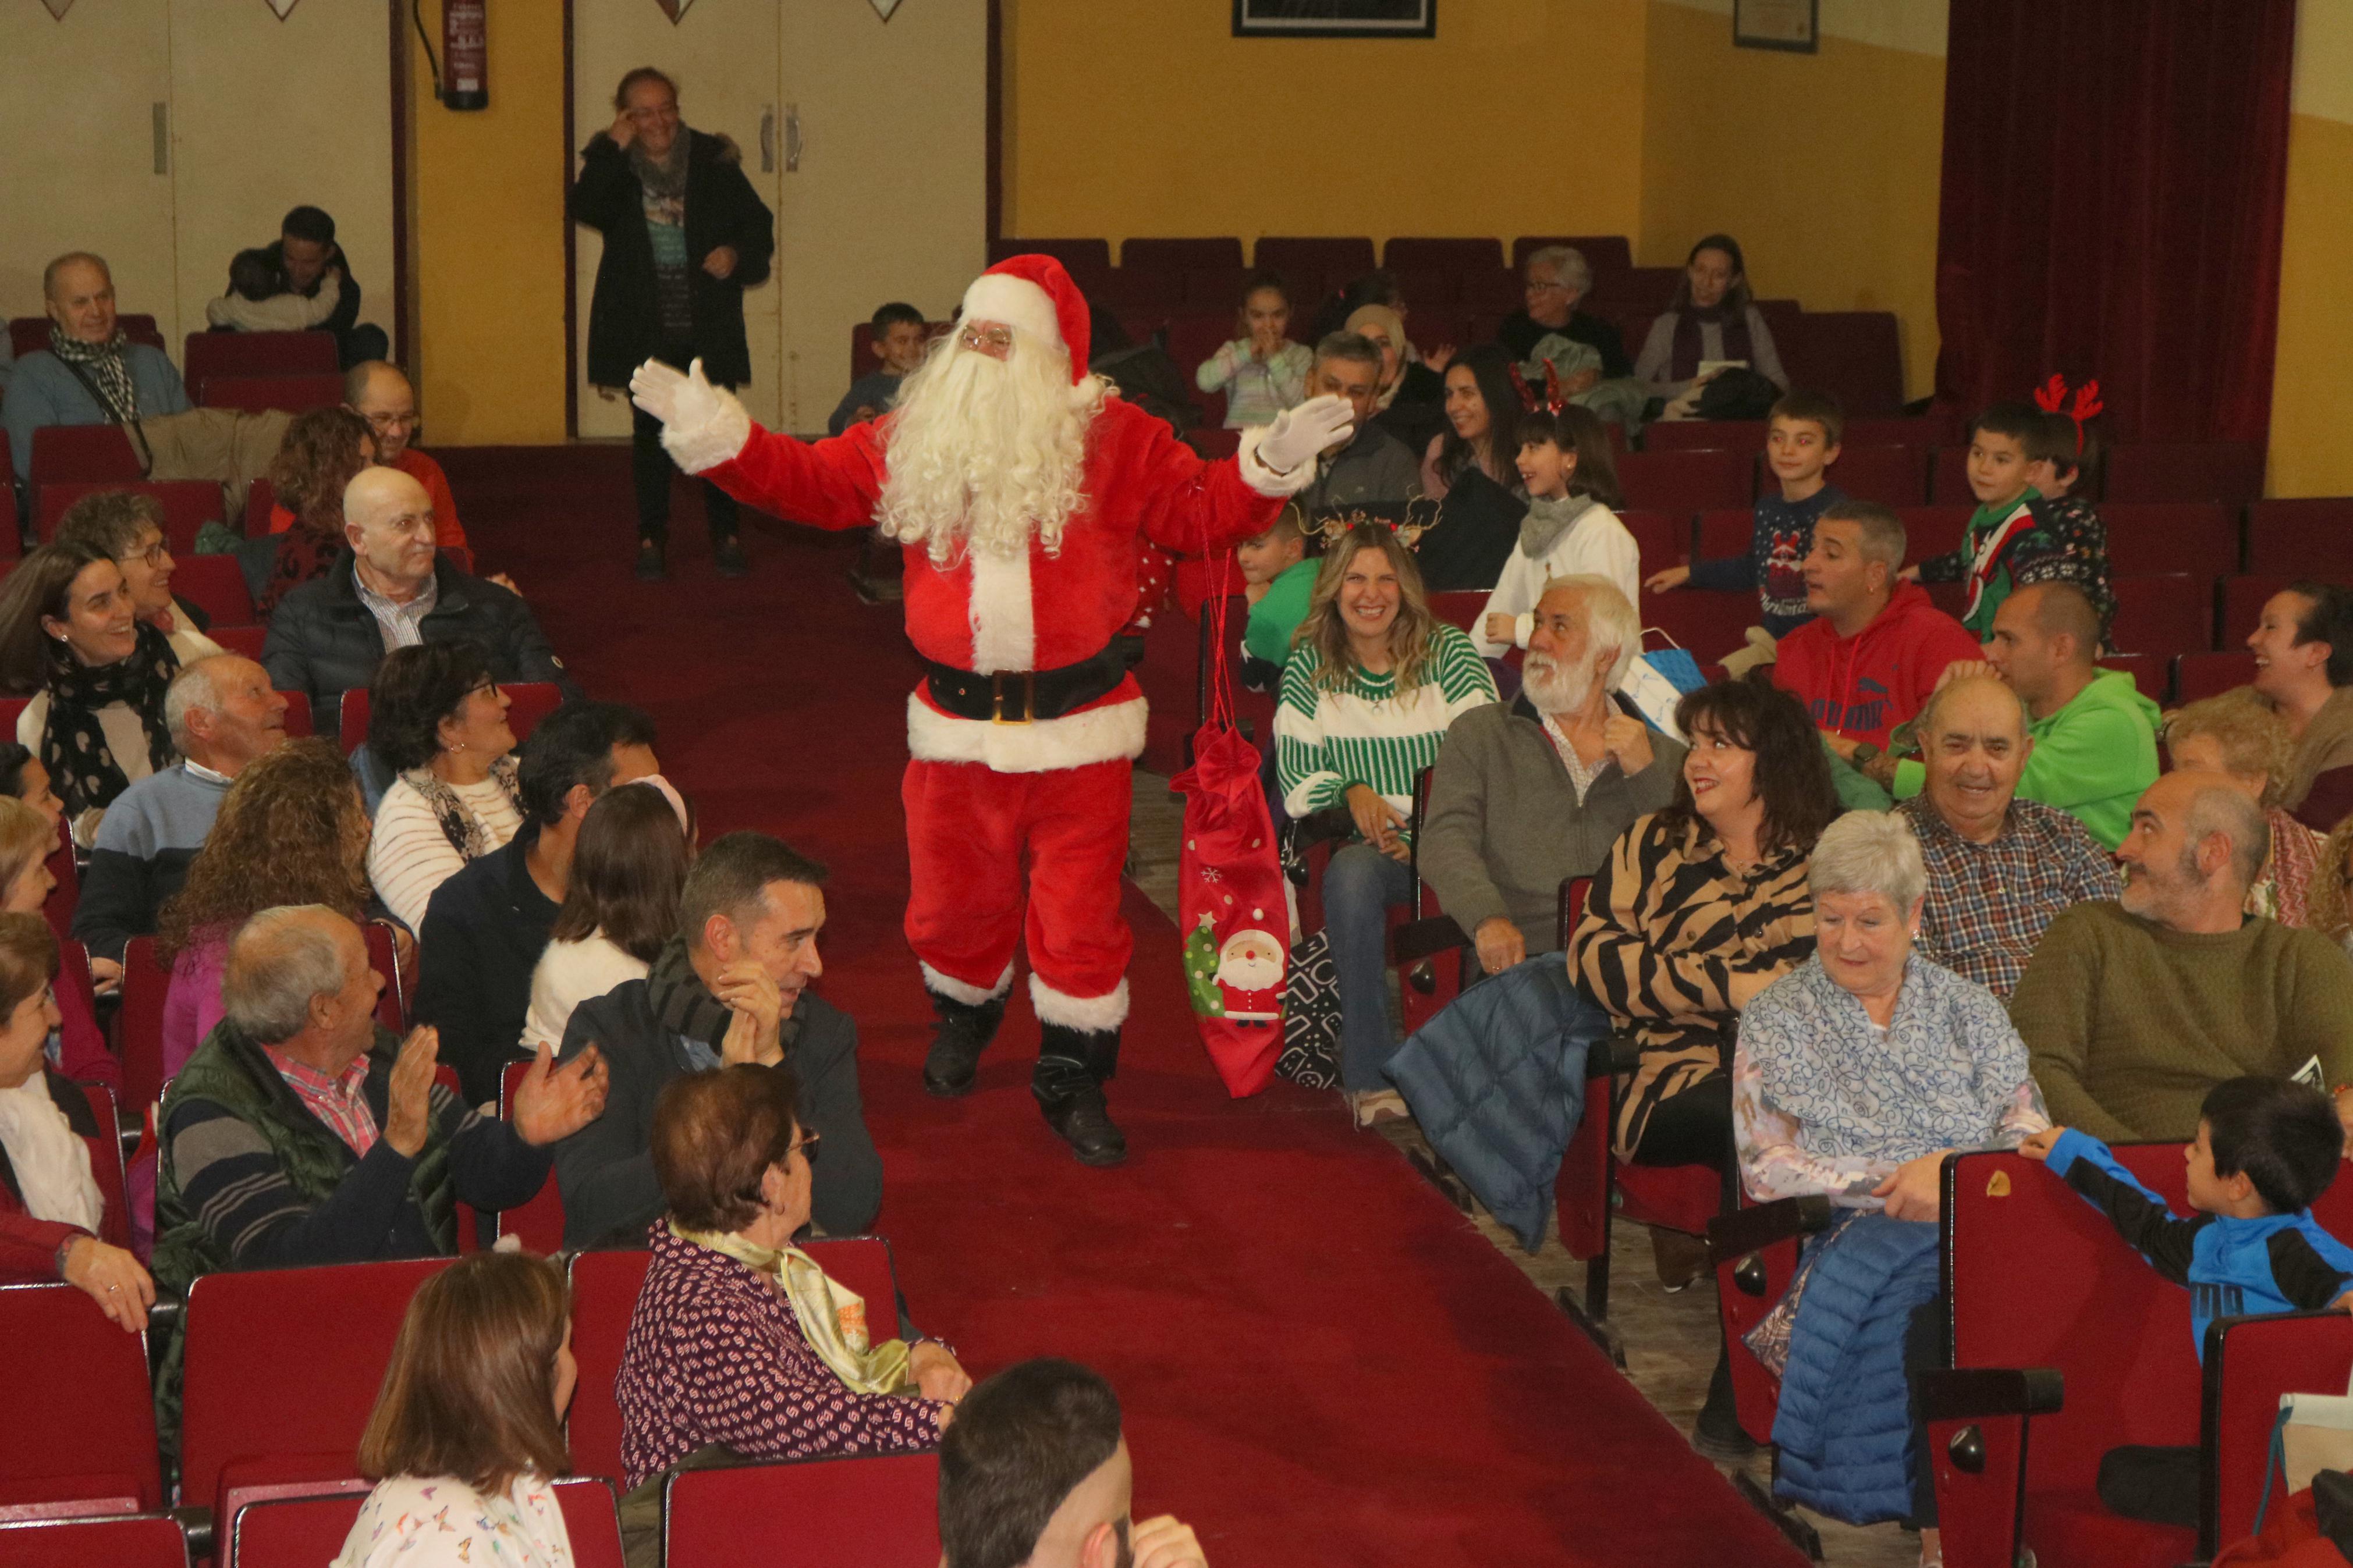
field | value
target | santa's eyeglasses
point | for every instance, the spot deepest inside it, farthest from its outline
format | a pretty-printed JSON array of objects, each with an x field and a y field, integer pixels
[{"x": 996, "y": 339}]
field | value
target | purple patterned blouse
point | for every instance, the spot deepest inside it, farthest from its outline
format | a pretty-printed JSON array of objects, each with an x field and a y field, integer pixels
[{"x": 714, "y": 1356}]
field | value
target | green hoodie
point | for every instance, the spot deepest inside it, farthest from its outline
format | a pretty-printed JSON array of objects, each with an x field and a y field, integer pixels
[{"x": 2092, "y": 759}]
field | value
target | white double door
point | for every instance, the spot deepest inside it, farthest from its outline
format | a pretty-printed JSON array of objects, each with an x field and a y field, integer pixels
[
  {"x": 166, "y": 135},
  {"x": 867, "y": 139}
]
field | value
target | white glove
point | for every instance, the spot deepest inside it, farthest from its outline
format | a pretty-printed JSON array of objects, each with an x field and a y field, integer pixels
[
  {"x": 687, "y": 400},
  {"x": 1299, "y": 435}
]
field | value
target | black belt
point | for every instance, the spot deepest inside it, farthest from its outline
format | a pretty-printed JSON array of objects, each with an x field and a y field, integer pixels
[{"x": 1018, "y": 696}]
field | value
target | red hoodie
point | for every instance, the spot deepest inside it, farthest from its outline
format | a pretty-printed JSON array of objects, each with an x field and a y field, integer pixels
[{"x": 1863, "y": 686}]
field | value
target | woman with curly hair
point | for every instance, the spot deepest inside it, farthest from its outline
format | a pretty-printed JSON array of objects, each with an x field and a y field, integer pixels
[
  {"x": 323, "y": 450},
  {"x": 2332, "y": 888},
  {"x": 2243, "y": 737},
  {"x": 1373, "y": 682},
  {"x": 437, "y": 720}
]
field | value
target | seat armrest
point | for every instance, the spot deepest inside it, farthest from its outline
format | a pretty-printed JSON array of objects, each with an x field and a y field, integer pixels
[
  {"x": 196, "y": 1524},
  {"x": 1986, "y": 1394},
  {"x": 1618, "y": 1053},
  {"x": 1747, "y": 1230},
  {"x": 1334, "y": 822},
  {"x": 1416, "y": 940}
]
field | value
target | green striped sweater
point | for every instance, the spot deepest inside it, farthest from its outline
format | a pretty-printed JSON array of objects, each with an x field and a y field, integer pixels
[{"x": 1367, "y": 733}]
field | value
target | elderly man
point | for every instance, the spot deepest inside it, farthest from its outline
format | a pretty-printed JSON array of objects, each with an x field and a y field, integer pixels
[
  {"x": 2094, "y": 734},
  {"x": 394, "y": 590},
  {"x": 1557, "y": 281},
  {"x": 2304, "y": 668},
  {"x": 2133, "y": 1010},
  {"x": 1528, "y": 792},
  {"x": 1374, "y": 470},
  {"x": 2000, "y": 867},
  {"x": 91, "y": 373},
  {"x": 222, "y": 713},
  {"x": 379, "y": 391},
  {"x": 732, "y": 986},
  {"x": 1877, "y": 647},
  {"x": 301, "y": 1132}
]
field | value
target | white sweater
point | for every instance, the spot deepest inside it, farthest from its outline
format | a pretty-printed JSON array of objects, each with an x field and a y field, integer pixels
[
  {"x": 414, "y": 1521},
  {"x": 568, "y": 973},
  {"x": 409, "y": 856},
  {"x": 1596, "y": 544}
]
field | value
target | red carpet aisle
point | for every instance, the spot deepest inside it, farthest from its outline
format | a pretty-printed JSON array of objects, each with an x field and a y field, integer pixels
[{"x": 1321, "y": 1361}]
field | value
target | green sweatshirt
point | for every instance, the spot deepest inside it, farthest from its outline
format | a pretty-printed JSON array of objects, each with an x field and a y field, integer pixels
[
  {"x": 1278, "y": 614},
  {"x": 2092, "y": 759}
]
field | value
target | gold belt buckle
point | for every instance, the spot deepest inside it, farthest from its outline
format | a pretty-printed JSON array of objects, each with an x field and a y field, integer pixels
[{"x": 996, "y": 692}]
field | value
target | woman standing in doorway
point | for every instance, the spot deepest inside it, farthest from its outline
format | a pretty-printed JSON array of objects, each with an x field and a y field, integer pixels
[{"x": 685, "y": 235}]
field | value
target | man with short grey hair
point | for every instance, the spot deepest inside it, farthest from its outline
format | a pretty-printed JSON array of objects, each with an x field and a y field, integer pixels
[
  {"x": 222, "y": 714},
  {"x": 1374, "y": 470},
  {"x": 1528, "y": 792},
  {"x": 301, "y": 1132},
  {"x": 90, "y": 373},
  {"x": 1555, "y": 280},
  {"x": 2133, "y": 1010}
]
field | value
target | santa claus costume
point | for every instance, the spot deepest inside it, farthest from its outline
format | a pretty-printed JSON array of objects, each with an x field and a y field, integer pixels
[{"x": 1024, "y": 492}]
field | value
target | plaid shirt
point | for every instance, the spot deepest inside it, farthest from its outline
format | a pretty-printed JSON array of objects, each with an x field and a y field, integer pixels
[
  {"x": 1987, "y": 903},
  {"x": 340, "y": 1102}
]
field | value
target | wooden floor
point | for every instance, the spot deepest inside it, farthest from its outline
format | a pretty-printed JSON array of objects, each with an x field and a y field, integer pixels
[{"x": 1669, "y": 1339}]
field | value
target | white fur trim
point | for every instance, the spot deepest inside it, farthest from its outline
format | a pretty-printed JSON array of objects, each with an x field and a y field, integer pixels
[
  {"x": 1004, "y": 616},
  {"x": 1096, "y": 735},
  {"x": 712, "y": 441},
  {"x": 1090, "y": 1012},
  {"x": 1265, "y": 480},
  {"x": 1015, "y": 302},
  {"x": 956, "y": 990}
]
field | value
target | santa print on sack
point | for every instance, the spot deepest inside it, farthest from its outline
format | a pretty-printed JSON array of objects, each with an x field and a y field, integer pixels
[{"x": 1241, "y": 978}]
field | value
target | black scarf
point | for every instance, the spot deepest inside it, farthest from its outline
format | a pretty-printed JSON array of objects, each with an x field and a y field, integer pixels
[
  {"x": 105, "y": 369},
  {"x": 686, "y": 1007},
  {"x": 81, "y": 764},
  {"x": 1732, "y": 318}
]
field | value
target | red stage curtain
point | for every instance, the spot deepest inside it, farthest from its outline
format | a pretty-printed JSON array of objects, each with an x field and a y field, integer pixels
[{"x": 2113, "y": 178}]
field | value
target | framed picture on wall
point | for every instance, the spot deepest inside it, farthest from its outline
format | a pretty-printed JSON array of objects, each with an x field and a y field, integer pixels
[
  {"x": 1336, "y": 19},
  {"x": 1793, "y": 25}
]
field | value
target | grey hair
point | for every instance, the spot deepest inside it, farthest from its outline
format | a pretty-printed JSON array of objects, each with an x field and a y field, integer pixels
[
  {"x": 1353, "y": 347},
  {"x": 70, "y": 258},
  {"x": 1884, "y": 539},
  {"x": 2218, "y": 808},
  {"x": 196, "y": 685},
  {"x": 1610, "y": 620},
  {"x": 278, "y": 961},
  {"x": 1870, "y": 852},
  {"x": 1568, "y": 262}
]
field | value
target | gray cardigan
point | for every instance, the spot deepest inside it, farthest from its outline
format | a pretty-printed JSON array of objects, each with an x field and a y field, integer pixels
[
  {"x": 44, "y": 391},
  {"x": 1506, "y": 829}
]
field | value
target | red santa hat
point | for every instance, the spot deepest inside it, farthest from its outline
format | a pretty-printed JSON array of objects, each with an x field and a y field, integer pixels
[{"x": 1032, "y": 294}]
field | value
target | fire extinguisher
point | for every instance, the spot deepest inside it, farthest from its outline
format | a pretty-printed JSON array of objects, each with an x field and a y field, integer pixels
[{"x": 461, "y": 77}]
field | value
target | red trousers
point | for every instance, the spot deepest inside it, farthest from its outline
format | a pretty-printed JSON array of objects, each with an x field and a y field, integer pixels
[{"x": 970, "y": 829}]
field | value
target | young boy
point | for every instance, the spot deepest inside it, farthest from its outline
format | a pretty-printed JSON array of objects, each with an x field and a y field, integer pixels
[
  {"x": 1801, "y": 441},
  {"x": 900, "y": 338},
  {"x": 2012, "y": 524},
  {"x": 1277, "y": 578},
  {"x": 258, "y": 300},
  {"x": 2073, "y": 548},
  {"x": 2266, "y": 1149}
]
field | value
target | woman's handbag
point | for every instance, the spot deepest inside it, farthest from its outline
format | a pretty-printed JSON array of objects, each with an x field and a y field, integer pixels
[
  {"x": 1311, "y": 1017},
  {"x": 2314, "y": 1433}
]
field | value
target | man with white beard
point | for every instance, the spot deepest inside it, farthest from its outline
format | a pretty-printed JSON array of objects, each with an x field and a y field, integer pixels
[
  {"x": 1528, "y": 792},
  {"x": 1022, "y": 491}
]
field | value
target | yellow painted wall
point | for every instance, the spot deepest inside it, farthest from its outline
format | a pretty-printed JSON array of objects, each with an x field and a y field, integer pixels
[
  {"x": 486, "y": 232},
  {"x": 1824, "y": 166},
  {"x": 1148, "y": 116},
  {"x": 2311, "y": 400}
]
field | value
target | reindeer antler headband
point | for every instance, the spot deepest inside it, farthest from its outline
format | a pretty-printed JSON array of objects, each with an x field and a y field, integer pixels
[
  {"x": 2052, "y": 399},
  {"x": 1420, "y": 517},
  {"x": 1553, "y": 399}
]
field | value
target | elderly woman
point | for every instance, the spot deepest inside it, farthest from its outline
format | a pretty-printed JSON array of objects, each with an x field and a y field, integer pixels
[
  {"x": 1554, "y": 282},
  {"x": 1855, "y": 1076},
  {"x": 71, "y": 639},
  {"x": 128, "y": 527},
  {"x": 467, "y": 1437},
  {"x": 1710, "y": 323},
  {"x": 2244, "y": 739},
  {"x": 739, "y": 1338},
  {"x": 1373, "y": 682},
  {"x": 437, "y": 720},
  {"x": 53, "y": 1218},
  {"x": 322, "y": 451}
]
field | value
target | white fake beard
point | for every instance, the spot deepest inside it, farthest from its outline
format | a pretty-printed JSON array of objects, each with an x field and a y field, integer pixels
[
  {"x": 984, "y": 454},
  {"x": 1553, "y": 688}
]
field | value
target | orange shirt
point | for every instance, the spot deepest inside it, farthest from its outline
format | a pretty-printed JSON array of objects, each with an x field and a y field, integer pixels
[{"x": 447, "y": 533}]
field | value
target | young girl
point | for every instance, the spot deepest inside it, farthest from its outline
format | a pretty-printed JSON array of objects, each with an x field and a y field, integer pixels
[
  {"x": 1262, "y": 373},
  {"x": 1569, "y": 527}
]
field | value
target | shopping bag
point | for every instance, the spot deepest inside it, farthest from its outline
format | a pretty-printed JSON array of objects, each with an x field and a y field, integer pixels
[
  {"x": 1655, "y": 682},
  {"x": 2314, "y": 1433},
  {"x": 1311, "y": 1017}
]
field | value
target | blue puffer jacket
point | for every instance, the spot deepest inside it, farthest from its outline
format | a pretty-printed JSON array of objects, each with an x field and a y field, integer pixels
[
  {"x": 1844, "y": 1427},
  {"x": 1497, "y": 1082}
]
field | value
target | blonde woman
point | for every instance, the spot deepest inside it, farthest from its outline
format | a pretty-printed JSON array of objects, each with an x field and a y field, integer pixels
[
  {"x": 2332, "y": 888},
  {"x": 1373, "y": 682},
  {"x": 2243, "y": 737}
]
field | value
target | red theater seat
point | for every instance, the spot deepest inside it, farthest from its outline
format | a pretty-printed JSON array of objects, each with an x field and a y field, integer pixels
[
  {"x": 77, "y": 1414},
  {"x": 95, "y": 452},
  {"x": 1173, "y": 258},
  {"x": 1683, "y": 434},
  {"x": 1642, "y": 290},
  {"x": 2294, "y": 535},
  {"x": 1950, "y": 483},
  {"x": 1708, "y": 623},
  {"x": 1077, "y": 256},
  {"x": 258, "y": 393},
  {"x": 1724, "y": 530},
  {"x": 1602, "y": 252},
  {"x": 215, "y": 584},
  {"x": 1661, "y": 538},
  {"x": 538, "y": 1224},
  {"x": 1854, "y": 354},
  {"x": 1901, "y": 430},
  {"x": 1423, "y": 287},
  {"x": 151, "y": 1541},
  {"x": 2200, "y": 538},
  {"x": 1892, "y": 476},
  {"x": 244, "y": 641},
  {"x": 879, "y": 1513},
  {"x": 1441, "y": 255},
  {"x": 1688, "y": 481},
  {"x": 2197, "y": 675},
  {"x": 2224, "y": 472},
  {"x": 1220, "y": 289},
  {"x": 2152, "y": 673},
  {"x": 188, "y": 505},
  {"x": 2163, "y": 615},
  {"x": 1335, "y": 260},
  {"x": 1932, "y": 531},
  {"x": 211, "y": 354},
  {"x": 304, "y": 1531}
]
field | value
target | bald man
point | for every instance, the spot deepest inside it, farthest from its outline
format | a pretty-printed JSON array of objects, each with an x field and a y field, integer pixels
[
  {"x": 91, "y": 373},
  {"x": 379, "y": 391},
  {"x": 2000, "y": 867},
  {"x": 395, "y": 589}
]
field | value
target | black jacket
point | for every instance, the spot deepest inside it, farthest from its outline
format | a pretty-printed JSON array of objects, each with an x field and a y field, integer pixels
[
  {"x": 322, "y": 641},
  {"x": 722, "y": 208},
  {"x": 1520, "y": 332},
  {"x": 347, "y": 303},
  {"x": 606, "y": 1170},
  {"x": 484, "y": 931}
]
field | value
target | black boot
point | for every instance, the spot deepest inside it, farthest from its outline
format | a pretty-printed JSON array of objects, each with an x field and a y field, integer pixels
[
  {"x": 1072, "y": 1067},
  {"x": 965, "y": 1029}
]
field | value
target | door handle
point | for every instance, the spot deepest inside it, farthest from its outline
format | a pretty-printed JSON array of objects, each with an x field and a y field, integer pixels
[
  {"x": 162, "y": 116},
  {"x": 792, "y": 138},
  {"x": 768, "y": 141}
]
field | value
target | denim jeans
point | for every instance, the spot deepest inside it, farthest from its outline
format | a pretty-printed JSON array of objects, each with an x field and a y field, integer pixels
[{"x": 1359, "y": 886}]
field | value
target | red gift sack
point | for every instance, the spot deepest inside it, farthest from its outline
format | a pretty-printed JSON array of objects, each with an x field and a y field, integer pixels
[{"x": 1230, "y": 888}]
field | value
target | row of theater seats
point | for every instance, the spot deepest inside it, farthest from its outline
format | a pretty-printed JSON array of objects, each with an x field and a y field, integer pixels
[
  {"x": 267, "y": 1466},
  {"x": 254, "y": 371}
]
